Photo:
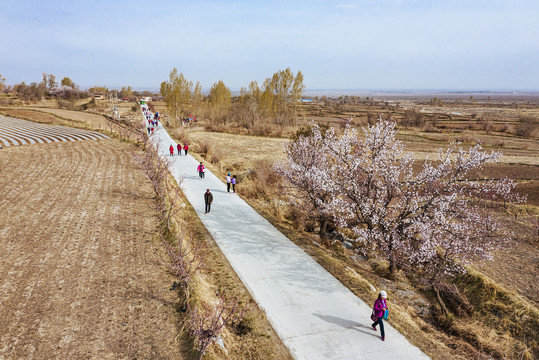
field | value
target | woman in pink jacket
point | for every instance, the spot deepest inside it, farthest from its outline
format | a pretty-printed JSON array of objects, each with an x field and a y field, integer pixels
[
  {"x": 200, "y": 169},
  {"x": 380, "y": 306}
]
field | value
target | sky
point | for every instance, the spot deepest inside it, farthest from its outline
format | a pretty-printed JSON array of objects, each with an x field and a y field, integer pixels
[{"x": 363, "y": 45}]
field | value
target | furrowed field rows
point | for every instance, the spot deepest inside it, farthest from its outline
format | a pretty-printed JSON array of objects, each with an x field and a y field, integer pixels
[
  {"x": 21, "y": 132},
  {"x": 82, "y": 276}
]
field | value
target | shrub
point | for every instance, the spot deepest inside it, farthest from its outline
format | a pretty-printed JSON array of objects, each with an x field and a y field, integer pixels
[
  {"x": 66, "y": 104},
  {"x": 180, "y": 134},
  {"x": 412, "y": 118},
  {"x": 527, "y": 126}
]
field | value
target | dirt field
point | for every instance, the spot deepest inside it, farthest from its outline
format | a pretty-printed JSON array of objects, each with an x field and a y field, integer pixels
[
  {"x": 82, "y": 276},
  {"x": 58, "y": 116},
  {"x": 96, "y": 121}
]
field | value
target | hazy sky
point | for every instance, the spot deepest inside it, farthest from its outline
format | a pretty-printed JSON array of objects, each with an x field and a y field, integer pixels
[{"x": 375, "y": 44}]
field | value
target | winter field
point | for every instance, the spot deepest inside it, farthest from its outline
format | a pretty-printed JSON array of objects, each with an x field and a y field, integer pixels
[{"x": 81, "y": 276}]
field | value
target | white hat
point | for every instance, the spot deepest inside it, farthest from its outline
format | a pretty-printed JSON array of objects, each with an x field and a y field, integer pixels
[{"x": 383, "y": 294}]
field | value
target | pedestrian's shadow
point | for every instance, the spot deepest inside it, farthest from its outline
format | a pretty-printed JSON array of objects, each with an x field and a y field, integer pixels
[
  {"x": 218, "y": 191},
  {"x": 192, "y": 177},
  {"x": 347, "y": 324}
]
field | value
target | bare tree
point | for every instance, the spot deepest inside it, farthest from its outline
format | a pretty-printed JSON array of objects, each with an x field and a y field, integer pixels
[
  {"x": 186, "y": 259},
  {"x": 208, "y": 321}
]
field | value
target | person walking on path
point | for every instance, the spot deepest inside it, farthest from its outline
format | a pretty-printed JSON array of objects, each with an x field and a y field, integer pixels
[
  {"x": 185, "y": 148},
  {"x": 233, "y": 181},
  {"x": 179, "y": 146},
  {"x": 171, "y": 149},
  {"x": 208, "y": 199},
  {"x": 200, "y": 170},
  {"x": 228, "y": 180},
  {"x": 380, "y": 307}
]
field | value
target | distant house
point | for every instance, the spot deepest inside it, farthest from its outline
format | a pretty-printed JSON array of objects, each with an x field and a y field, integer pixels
[
  {"x": 98, "y": 96},
  {"x": 307, "y": 100},
  {"x": 146, "y": 99}
]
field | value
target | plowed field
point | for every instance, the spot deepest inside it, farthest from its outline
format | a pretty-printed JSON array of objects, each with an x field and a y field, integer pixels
[{"x": 80, "y": 274}]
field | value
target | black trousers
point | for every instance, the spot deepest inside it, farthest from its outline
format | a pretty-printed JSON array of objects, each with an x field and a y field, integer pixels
[
  {"x": 227, "y": 187},
  {"x": 381, "y": 322},
  {"x": 208, "y": 206}
]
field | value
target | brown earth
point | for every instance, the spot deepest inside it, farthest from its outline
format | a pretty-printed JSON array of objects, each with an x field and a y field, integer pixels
[
  {"x": 58, "y": 116},
  {"x": 82, "y": 274},
  {"x": 96, "y": 121},
  {"x": 32, "y": 115}
]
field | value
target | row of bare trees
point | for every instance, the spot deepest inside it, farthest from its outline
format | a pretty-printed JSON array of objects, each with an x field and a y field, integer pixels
[
  {"x": 185, "y": 251},
  {"x": 181, "y": 98},
  {"x": 276, "y": 101}
]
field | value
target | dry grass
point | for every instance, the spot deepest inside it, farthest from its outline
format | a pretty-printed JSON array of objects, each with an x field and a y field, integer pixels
[
  {"x": 240, "y": 153},
  {"x": 96, "y": 121},
  {"x": 48, "y": 111},
  {"x": 31, "y": 115}
]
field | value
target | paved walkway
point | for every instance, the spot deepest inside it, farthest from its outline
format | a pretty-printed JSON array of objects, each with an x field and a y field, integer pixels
[{"x": 315, "y": 316}]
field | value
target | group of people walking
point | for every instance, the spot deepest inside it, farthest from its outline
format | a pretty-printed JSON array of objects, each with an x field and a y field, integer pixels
[
  {"x": 231, "y": 180},
  {"x": 153, "y": 120},
  {"x": 179, "y": 149}
]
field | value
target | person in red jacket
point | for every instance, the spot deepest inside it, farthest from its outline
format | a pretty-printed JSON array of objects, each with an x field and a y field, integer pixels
[
  {"x": 380, "y": 307},
  {"x": 185, "y": 148},
  {"x": 179, "y": 146},
  {"x": 171, "y": 148}
]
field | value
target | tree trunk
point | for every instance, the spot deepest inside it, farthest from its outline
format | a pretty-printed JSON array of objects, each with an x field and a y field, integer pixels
[
  {"x": 392, "y": 264},
  {"x": 323, "y": 230},
  {"x": 440, "y": 301}
]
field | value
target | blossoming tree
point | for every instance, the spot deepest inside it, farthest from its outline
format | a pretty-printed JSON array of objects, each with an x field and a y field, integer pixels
[
  {"x": 306, "y": 171},
  {"x": 431, "y": 221}
]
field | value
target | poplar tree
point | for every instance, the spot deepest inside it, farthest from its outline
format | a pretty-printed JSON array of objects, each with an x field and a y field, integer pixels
[
  {"x": 220, "y": 101},
  {"x": 177, "y": 94}
]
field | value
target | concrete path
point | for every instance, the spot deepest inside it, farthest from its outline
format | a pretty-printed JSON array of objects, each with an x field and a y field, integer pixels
[{"x": 312, "y": 312}]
